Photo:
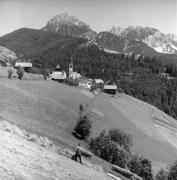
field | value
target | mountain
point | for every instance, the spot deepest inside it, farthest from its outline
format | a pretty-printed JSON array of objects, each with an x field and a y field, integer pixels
[
  {"x": 68, "y": 25},
  {"x": 116, "y": 43},
  {"x": 42, "y": 47},
  {"x": 163, "y": 43},
  {"x": 136, "y": 37}
]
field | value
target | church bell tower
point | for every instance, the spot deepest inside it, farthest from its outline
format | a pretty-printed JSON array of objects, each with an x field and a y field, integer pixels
[{"x": 71, "y": 66}]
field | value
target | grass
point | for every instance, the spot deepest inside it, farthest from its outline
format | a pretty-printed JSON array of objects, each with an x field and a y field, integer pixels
[{"x": 50, "y": 109}]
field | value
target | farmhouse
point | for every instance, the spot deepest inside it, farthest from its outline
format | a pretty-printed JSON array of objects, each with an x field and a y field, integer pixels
[
  {"x": 99, "y": 81},
  {"x": 85, "y": 83},
  {"x": 26, "y": 65},
  {"x": 110, "y": 89}
]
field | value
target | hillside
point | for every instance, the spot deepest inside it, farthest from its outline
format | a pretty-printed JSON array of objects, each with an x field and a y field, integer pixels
[
  {"x": 26, "y": 157},
  {"x": 6, "y": 54},
  {"x": 42, "y": 47},
  {"x": 116, "y": 43},
  {"x": 47, "y": 49},
  {"x": 52, "y": 113}
]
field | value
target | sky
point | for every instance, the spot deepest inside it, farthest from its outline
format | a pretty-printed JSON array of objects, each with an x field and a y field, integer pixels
[{"x": 99, "y": 14}]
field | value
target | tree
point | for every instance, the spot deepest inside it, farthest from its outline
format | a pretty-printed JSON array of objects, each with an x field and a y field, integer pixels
[
  {"x": 146, "y": 170},
  {"x": 109, "y": 150},
  {"x": 20, "y": 72},
  {"x": 81, "y": 109},
  {"x": 162, "y": 175},
  {"x": 83, "y": 127},
  {"x": 173, "y": 171},
  {"x": 135, "y": 164},
  {"x": 10, "y": 73},
  {"x": 122, "y": 138}
]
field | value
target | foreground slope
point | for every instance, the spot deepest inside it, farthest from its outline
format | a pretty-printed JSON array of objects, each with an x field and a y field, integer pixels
[{"x": 23, "y": 159}]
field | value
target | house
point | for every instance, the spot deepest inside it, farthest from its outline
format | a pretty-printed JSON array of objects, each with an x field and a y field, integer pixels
[
  {"x": 99, "y": 81},
  {"x": 58, "y": 74},
  {"x": 110, "y": 89},
  {"x": 84, "y": 82},
  {"x": 26, "y": 65},
  {"x": 75, "y": 75}
]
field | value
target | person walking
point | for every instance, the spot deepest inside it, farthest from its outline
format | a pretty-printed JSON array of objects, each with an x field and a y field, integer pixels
[{"x": 78, "y": 153}]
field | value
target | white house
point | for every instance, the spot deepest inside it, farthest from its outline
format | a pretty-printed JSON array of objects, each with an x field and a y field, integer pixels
[
  {"x": 75, "y": 75},
  {"x": 58, "y": 74},
  {"x": 99, "y": 81},
  {"x": 26, "y": 65}
]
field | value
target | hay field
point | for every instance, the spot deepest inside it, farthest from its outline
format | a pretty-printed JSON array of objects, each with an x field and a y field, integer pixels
[
  {"x": 51, "y": 109},
  {"x": 154, "y": 133}
]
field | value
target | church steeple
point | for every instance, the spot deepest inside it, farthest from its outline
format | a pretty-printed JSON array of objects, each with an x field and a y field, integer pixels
[{"x": 71, "y": 66}]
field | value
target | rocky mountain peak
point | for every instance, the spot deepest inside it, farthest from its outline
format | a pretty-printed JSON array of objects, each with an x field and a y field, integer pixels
[
  {"x": 67, "y": 25},
  {"x": 163, "y": 43}
]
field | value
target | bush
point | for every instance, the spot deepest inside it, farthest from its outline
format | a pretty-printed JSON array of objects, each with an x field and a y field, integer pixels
[
  {"x": 20, "y": 72},
  {"x": 83, "y": 127},
  {"x": 141, "y": 167},
  {"x": 162, "y": 175},
  {"x": 173, "y": 171},
  {"x": 109, "y": 150},
  {"x": 10, "y": 73},
  {"x": 135, "y": 164},
  {"x": 122, "y": 138},
  {"x": 71, "y": 82},
  {"x": 146, "y": 170}
]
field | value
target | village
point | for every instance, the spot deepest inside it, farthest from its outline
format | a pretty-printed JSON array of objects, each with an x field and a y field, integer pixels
[{"x": 73, "y": 78}]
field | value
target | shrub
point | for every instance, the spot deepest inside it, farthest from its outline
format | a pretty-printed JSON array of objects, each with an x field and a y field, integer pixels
[
  {"x": 93, "y": 87},
  {"x": 122, "y": 138},
  {"x": 146, "y": 170},
  {"x": 135, "y": 164},
  {"x": 173, "y": 171},
  {"x": 141, "y": 167},
  {"x": 81, "y": 109},
  {"x": 71, "y": 82},
  {"x": 162, "y": 175},
  {"x": 20, "y": 72},
  {"x": 109, "y": 150},
  {"x": 83, "y": 127},
  {"x": 10, "y": 73}
]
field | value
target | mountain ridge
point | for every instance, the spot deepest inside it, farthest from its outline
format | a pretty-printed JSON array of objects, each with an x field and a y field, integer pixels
[
  {"x": 163, "y": 43},
  {"x": 70, "y": 25},
  {"x": 66, "y": 24}
]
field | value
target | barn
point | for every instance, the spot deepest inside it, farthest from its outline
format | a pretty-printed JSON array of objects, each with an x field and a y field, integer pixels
[
  {"x": 110, "y": 89},
  {"x": 26, "y": 65}
]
